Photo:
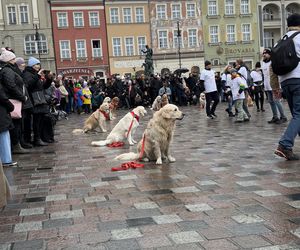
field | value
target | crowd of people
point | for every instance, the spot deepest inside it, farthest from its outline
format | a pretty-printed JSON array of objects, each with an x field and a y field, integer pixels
[{"x": 33, "y": 99}]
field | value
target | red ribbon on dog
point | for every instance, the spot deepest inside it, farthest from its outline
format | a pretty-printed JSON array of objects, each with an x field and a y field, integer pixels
[
  {"x": 116, "y": 144},
  {"x": 132, "y": 164}
]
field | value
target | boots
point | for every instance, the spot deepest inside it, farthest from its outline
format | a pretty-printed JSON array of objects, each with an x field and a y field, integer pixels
[
  {"x": 17, "y": 149},
  {"x": 39, "y": 142}
]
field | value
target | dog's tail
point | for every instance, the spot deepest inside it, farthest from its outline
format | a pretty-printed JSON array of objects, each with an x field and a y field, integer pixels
[
  {"x": 128, "y": 156},
  {"x": 100, "y": 143},
  {"x": 78, "y": 131}
]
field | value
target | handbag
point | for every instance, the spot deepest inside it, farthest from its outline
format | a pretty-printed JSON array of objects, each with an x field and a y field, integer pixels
[
  {"x": 38, "y": 98},
  {"x": 17, "y": 112}
]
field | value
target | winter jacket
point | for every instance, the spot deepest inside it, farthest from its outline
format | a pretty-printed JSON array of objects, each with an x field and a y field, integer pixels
[
  {"x": 12, "y": 82},
  {"x": 5, "y": 108}
]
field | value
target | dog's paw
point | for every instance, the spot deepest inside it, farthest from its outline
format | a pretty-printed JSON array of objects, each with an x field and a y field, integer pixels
[
  {"x": 145, "y": 159},
  {"x": 134, "y": 141},
  {"x": 171, "y": 158},
  {"x": 131, "y": 143},
  {"x": 158, "y": 161}
]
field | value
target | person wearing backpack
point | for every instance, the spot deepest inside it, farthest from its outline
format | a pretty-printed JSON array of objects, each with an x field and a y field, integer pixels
[
  {"x": 290, "y": 84},
  {"x": 244, "y": 73}
]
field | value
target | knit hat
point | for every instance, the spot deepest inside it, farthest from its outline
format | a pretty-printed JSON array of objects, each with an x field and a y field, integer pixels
[
  {"x": 267, "y": 51},
  {"x": 6, "y": 55},
  {"x": 33, "y": 61},
  {"x": 206, "y": 63},
  {"x": 293, "y": 20},
  {"x": 78, "y": 85},
  {"x": 20, "y": 60}
]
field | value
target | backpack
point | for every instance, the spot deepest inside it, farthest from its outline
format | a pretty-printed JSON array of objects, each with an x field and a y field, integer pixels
[{"x": 283, "y": 55}]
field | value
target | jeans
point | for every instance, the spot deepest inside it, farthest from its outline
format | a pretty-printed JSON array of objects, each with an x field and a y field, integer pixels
[
  {"x": 275, "y": 105},
  {"x": 5, "y": 147},
  {"x": 241, "y": 115},
  {"x": 291, "y": 89},
  {"x": 212, "y": 96}
]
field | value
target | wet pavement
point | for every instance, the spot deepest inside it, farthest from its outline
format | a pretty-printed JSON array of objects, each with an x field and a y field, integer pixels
[{"x": 225, "y": 191}]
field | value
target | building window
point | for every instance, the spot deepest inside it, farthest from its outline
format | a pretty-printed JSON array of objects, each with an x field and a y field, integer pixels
[
  {"x": 269, "y": 39},
  {"x": 246, "y": 32},
  {"x": 129, "y": 47},
  {"x": 114, "y": 15},
  {"x": 127, "y": 15},
  {"x": 24, "y": 14},
  {"x": 268, "y": 14},
  {"x": 229, "y": 7},
  {"x": 212, "y": 8},
  {"x": 12, "y": 15},
  {"x": 191, "y": 10},
  {"x": 245, "y": 7},
  {"x": 78, "y": 19},
  {"x": 80, "y": 49},
  {"x": 176, "y": 12},
  {"x": 230, "y": 33},
  {"x": 94, "y": 19},
  {"x": 97, "y": 48},
  {"x": 161, "y": 11},
  {"x": 62, "y": 19},
  {"x": 192, "y": 38},
  {"x": 139, "y": 15},
  {"x": 163, "y": 39},
  {"x": 64, "y": 47},
  {"x": 32, "y": 46},
  {"x": 214, "y": 34},
  {"x": 177, "y": 39},
  {"x": 117, "y": 46},
  {"x": 141, "y": 44}
]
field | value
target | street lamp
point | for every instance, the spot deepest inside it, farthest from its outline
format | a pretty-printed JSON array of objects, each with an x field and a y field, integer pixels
[
  {"x": 178, "y": 41},
  {"x": 37, "y": 39}
]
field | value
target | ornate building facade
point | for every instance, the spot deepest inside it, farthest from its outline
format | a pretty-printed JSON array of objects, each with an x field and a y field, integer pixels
[{"x": 25, "y": 26}]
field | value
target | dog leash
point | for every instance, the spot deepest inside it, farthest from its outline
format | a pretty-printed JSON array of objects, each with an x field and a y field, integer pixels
[
  {"x": 132, "y": 164},
  {"x": 134, "y": 116},
  {"x": 116, "y": 144}
]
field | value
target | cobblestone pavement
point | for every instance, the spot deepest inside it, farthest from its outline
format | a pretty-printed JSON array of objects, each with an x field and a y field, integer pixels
[{"x": 225, "y": 191}]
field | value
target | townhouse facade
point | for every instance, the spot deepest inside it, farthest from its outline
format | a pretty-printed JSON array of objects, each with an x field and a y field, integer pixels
[
  {"x": 79, "y": 31},
  {"x": 272, "y": 19},
  {"x": 25, "y": 26},
  {"x": 176, "y": 34},
  {"x": 231, "y": 31},
  {"x": 128, "y": 32}
]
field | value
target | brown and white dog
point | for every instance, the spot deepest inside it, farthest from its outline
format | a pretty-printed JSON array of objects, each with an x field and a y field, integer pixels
[
  {"x": 159, "y": 102},
  {"x": 157, "y": 136},
  {"x": 113, "y": 107},
  {"x": 125, "y": 128},
  {"x": 97, "y": 119}
]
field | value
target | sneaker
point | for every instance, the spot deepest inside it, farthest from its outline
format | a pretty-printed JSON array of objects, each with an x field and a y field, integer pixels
[
  {"x": 210, "y": 117},
  {"x": 258, "y": 110},
  {"x": 286, "y": 153},
  {"x": 273, "y": 120},
  {"x": 238, "y": 121},
  {"x": 11, "y": 164},
  {"x": 246, "y": 120},
  {"x": 214, "y": 115},
  {"x": 283, "y": 119},
  {"x": 262, "y": 110},
  {"x": 231, "y": 114}
]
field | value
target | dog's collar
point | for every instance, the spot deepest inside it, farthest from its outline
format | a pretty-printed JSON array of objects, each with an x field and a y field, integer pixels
[
  {"x": 105, "y": 114},
  {"x": 135, "y": 116}
]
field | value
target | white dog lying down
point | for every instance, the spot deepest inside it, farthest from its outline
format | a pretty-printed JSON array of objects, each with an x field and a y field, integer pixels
[
  {"x": 158, "y": 136},
  {"x": 120, "y": 132},
  {"x": 98, "y": 118}
]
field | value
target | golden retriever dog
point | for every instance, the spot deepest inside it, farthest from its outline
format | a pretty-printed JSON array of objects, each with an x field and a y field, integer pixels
[
  {"x": 157, "y": 136},
  {"x": 97, "y": 119},
  {"x": 125, "y": 128},
  {"x": 113, "y": 107},
  {"x": 202, "y": 100},
  {"x": 164, "y": 100},
  {"x": 106, "y": 100},
  {"x": 159, "y": 102}
]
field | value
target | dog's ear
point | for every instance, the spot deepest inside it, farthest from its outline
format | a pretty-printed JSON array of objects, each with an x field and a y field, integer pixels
[
  {"x": 142, "y": 111},
  {"x": 166, "y": 113}
]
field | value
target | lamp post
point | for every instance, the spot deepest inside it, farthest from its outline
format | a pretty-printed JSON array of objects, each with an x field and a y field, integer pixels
[
  {"x": 37, "y": 39},
  {"x": 178, "y": 41}
]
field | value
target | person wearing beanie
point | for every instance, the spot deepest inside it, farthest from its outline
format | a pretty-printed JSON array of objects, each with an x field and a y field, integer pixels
[
  {"x": 290, "y": 84},
  {"x": 36, "y": 86},
  {"x": 208, "y": 83},
  {"x": 20, "y": 62}
]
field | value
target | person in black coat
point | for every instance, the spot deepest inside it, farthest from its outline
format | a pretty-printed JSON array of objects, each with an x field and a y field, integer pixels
[
  {"x": 14, "y": 89},
  {"x": 5, "y": 125},
  {"x": 32, "y": 77}
]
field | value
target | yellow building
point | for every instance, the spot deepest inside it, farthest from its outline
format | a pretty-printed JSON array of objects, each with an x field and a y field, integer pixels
[{"x": 128, "y": 32}]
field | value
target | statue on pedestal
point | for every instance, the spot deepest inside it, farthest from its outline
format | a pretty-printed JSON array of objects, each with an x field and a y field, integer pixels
[{"x": 148, "y": 64}]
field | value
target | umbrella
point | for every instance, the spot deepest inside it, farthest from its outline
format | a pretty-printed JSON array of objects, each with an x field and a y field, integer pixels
[{"x": 181, "y": 71}]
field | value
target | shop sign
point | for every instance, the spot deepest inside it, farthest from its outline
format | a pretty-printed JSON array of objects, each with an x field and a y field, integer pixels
[{"x": 77, "y": 71}]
